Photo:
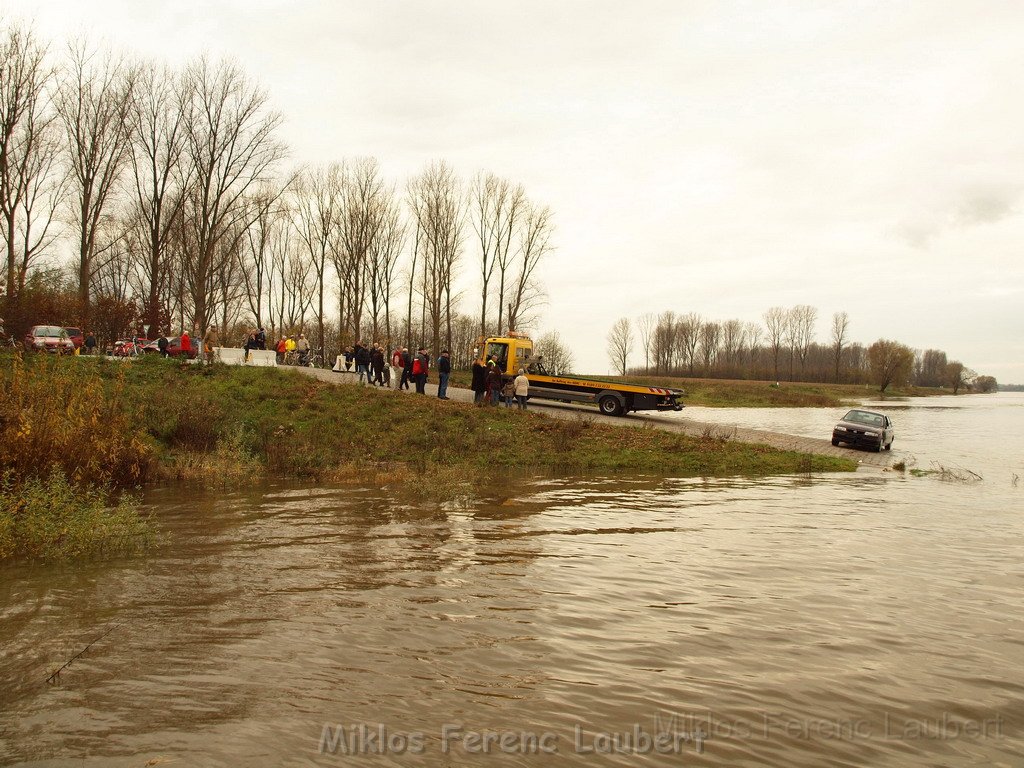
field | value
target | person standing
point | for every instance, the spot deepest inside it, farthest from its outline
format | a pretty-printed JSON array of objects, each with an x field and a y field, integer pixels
[
  {"x": 522, "y": 388},
  {"x": 444, "y": 370},
  {"x": 185, "y": 343},
  {"x": 377, "y": 364},
  {"x": 302, "y": 347},
  {"x": 210, "y": 342},
  {"x": 161, "y": 344},
  {"x": 282, "y": 348},
  {"x": 350, "y": 357},
  {"x": 406, "y": 369},
  {"x": 362, "y": 357},
  {"x": 420, "y": 369},
  {"x": 479, "y": 382},
  {"x": 261, "y": 338},
  {"x": 250, "y": 345},
  {"x": 493, "y": 383},
  {"x": 508, "y": 393},
  {"x": 90, "y": 343}
]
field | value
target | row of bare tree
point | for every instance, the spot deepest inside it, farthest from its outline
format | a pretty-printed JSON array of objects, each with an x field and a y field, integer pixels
[
  {"x": 169, "y": 186},
  {"x": 783, "y": 347}
]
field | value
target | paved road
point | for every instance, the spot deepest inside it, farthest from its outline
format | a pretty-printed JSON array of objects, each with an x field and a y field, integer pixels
[{"x": 671, "y": 423}]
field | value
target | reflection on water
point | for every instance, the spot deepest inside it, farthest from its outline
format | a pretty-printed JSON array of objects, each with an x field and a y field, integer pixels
[{"x": 842, "y": 620}]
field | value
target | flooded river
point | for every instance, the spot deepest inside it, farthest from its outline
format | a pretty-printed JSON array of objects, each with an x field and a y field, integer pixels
[{"x": 860, "y": 619}]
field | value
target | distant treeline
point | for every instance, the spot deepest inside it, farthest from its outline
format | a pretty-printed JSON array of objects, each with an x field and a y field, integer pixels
[{"x": 783, "y": 347}]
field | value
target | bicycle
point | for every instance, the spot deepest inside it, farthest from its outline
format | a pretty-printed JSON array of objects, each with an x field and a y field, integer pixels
[{"x": 315, "y": 358}]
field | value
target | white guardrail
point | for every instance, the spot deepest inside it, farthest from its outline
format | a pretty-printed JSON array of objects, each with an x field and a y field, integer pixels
[{"x": 235, "y": 356}]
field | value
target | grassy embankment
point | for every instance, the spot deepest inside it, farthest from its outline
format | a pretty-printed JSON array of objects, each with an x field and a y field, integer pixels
[
  {"x": 739, "y": 393},
  {"x": 111, "y": 426}
]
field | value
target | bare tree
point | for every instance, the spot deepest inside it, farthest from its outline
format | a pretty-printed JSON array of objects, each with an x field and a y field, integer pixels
[
  {"x": 620, "y": 343},
  {"x": 93, "y": 101},
  {"x": 436, "y": 202},
  {"x": 688, "y": 338},
  {"x": 383, "y": 258},
  {"x": 231, "y": 145},
  {"x": 157, "y": 131},
  {"x": 732, "y": 343},
  {"x": 497, "y": 207},
  {"x": 359, "y": 225},
  {"x": 840, "y": 329},
  {"x": 270, "y": 213},
  {"x": 665, "y": 344},
  {"x": 803, "y": 318},
  {"x": 32, "y": 183},
  {"x": 535, "y": 243},
  {"x": 557, "y": 356},
  {"x": 646, "y": 325},
  {"x": 710, "y": 333},
  {"x": 775, "y": 320},
  {"x": 318, "y": 197}
]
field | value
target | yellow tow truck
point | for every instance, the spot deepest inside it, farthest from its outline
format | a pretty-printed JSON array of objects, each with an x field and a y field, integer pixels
[{"x": 515, "y": 351}]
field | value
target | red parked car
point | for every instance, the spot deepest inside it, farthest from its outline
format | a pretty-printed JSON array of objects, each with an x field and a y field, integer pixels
[
  {"x": 76, "y": 336},
  {"x": 49, "y": 338}
]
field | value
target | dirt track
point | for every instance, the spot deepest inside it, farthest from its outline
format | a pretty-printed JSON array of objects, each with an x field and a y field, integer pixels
[{"x": 671, "y": 423}]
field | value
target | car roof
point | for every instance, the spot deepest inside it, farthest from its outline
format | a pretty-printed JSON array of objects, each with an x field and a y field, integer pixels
[{"x": 864, "y": 410}]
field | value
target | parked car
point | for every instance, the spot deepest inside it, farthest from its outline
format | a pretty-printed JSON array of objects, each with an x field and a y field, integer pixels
[
  {"x": 49, "y": 338},
  {"x": 76, "y": 336},
  {"x": 864, "y": 429},
  {"x": 173, "y": 348}
]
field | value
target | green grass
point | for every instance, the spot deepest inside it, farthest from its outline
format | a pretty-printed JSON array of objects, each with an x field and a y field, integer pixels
[
  {"x": 100, "y": 425},
  {"x": 296, "y": 426}
]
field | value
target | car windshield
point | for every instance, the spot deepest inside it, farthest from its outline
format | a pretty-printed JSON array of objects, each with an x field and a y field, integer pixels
[
  {"x": 864, "y": 417},
  {"x": 48, "y": 330}
]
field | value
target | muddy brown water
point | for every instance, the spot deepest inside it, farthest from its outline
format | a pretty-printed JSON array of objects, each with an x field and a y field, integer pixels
[{"x": 856, "y": 619}]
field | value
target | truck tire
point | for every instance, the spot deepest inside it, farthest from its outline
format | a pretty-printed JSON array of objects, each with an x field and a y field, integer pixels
[{"x": 610, "y": 406}]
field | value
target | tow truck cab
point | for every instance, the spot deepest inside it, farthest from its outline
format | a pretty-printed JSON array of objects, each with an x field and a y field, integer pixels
[{"x": 515, "y": 351}]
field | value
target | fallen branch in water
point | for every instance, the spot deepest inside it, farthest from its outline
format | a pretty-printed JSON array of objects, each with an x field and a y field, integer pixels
[{"x": 56, "y": 674}]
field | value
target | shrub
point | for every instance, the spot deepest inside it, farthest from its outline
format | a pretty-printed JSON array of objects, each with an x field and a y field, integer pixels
[
  {"x": 47, "y": 518},
  {"x": 57, "y": 413}
]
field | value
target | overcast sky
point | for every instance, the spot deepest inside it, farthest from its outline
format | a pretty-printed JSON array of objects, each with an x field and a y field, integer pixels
[{"x": 714, "y": 157}]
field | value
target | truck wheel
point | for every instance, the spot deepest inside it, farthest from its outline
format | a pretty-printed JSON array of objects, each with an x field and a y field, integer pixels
[{"x": 610, "y": 406}]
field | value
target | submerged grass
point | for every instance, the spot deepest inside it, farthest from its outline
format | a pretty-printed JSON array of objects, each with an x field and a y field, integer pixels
[{"x": 49, "y": 518}]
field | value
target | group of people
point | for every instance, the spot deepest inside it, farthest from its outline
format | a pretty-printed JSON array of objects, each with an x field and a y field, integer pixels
[
  {"x": 291, "y": 349},
  {"x": 490, "y": 387},
  {"x": 372, "y": 367}
]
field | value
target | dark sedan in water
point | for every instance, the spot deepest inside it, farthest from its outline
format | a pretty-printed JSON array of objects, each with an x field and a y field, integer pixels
[{"x": 864, "y": 429}]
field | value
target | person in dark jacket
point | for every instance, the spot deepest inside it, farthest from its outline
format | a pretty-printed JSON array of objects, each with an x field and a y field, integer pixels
[
  {"x": 261, "y": 338},
  {"x": 494, "y": 383},
  {"x": 444, "y": 370},
  {"x": 90, "y": 343},
  {"x": 479, "y": 383},
  {"x": 350, "y": 357},
  {"x": 161, "y": 344},
  {"x": 406, "y": 369},
  {"x": 362, "y": 355},
  {"x": 377, "y": 364}
]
